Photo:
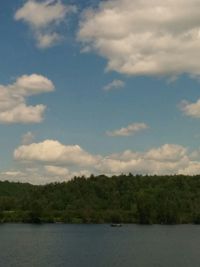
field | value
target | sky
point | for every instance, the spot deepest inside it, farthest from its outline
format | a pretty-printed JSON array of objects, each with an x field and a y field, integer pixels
[{"x": 98, "y": 87}]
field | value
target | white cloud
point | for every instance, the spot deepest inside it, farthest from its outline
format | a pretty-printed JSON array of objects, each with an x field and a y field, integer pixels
[
  {"x": 12, "y": 173},
  {"x": 60, "y": 172},
  {"x": 44, "y": 18},
  {"x": 13, "y": 107},
  {"x": 42, "y": 175},
  {"x": 23, "y": 114},
  {"x": 193, "y": 168},
  {"x": 129, "y": 130},
  {"x": 55, "y": 170},
  {"x": 191, "y": 109},
  {"x": 48, "y": 39},
  {"x": 33, "y": 84},
  {"x": 167, "y": 159},
  {"x": 41, "y": 14},
  {"x": 58, "y": 162},
  {"x": 168, "y": 152},
  {"x": 115, "y": 84},
  {"x": 144, "y": 37},
  {"x": 36, "y": 177},
  {"x": 52, "y": 151},
  {"x": 80, "y": 173}
]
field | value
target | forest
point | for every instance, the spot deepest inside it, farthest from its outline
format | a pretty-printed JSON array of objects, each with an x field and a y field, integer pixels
[{"x": 118, "y": 199}]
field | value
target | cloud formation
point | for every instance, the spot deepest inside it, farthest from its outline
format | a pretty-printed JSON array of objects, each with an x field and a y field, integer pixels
[
  {"x": 144, "y": 37},
  {"x": 129, "y": 130},
  {"x": 44, "y": 175},
  {"x": 33, "y": 84},
  {"x": 52, "y": 151},
  {"x": 115, "y": 84},
  {"x": 59, "y": 162},
  {"x": 167, "y": 159},
  {"x": 44, "y": 18},
  {"x": 191, "y": 109},
  {"x": 13, "y": 107},
  {"x": 56, "y": 171}
]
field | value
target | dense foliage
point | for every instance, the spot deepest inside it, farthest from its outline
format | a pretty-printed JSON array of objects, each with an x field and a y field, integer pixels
[{"x": 124, "y": 198}]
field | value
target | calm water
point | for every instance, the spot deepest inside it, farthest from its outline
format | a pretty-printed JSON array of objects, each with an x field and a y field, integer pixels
[{"x": 99, "y": 246}]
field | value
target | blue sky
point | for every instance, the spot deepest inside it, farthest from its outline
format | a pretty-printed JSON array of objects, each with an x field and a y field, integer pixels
[{"x": 150, "y": 107}]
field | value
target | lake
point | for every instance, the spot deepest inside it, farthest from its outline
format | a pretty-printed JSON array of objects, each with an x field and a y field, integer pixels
[{"x": 99, "y": 245}]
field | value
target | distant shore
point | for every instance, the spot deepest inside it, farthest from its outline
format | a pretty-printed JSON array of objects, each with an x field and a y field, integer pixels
[{"x": 122, "y": 199}]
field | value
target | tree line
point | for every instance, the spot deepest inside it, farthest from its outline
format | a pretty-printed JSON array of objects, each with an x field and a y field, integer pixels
[{"x": 102, "y": 199}]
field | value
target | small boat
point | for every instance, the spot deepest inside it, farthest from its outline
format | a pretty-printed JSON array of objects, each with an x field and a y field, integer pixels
[{"x": 116, "y": 225}]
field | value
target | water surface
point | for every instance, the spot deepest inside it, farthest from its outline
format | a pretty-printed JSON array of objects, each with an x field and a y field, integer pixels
[{"x": 59, "y": 245}]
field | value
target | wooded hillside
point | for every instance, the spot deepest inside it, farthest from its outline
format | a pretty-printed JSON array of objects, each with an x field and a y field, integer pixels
[{"x": 125, "y": 198}]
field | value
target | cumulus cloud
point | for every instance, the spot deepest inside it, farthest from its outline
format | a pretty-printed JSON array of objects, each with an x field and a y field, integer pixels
[
  {"x": 193, "y": 168},
  {"x": 115, "y": 84},
  {"x": 36, "y": 177},
  {"x": 23, "y": 114},
  {"x": 52, "y": 151},
  {"x": 60, "y": 172},
  {"x": 129, "y": 130},
  {"x": 42, "y": 175},
  {"x": 55, "y": 170},
  {"x": 13, "y": 107},
  {"x": 191, "y": 109},
  {"x": 144, "y": 37},
  {"x": 44, "y": 18},
  {"x": 166, "y": 153},
  {"x": 33, "y": 84},
  {"x": 58, "y": 162},
  {"x": 167, "y": 159}
]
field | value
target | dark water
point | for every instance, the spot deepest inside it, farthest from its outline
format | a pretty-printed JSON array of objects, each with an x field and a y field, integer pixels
[{"x": 99, "y": 246}]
